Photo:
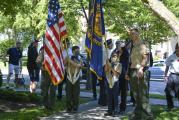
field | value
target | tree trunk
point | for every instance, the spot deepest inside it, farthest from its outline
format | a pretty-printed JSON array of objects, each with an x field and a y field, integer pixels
[{"x": 164, "y": 13}]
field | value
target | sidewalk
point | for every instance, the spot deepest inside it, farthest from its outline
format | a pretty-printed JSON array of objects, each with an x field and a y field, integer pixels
[
  {"x": 87, "y": 111},
  {"x": 93, "y": 111}
]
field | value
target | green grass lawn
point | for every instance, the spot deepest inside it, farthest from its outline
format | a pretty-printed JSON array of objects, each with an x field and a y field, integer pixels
[
  {"x": 157, "y": 96},
  {"x": 35, "y": 113},
  {"x": 160, "y": 113}
]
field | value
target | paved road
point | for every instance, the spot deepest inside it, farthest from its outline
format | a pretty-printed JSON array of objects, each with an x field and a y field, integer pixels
[{"x": 156, "y": 87}]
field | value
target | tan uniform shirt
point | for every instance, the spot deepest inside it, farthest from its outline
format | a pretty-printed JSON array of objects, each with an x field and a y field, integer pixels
[
  {"x": 111, "y": 79},
  {"x": 139, "y": 49},
  {"x": 73, "y": 73}
]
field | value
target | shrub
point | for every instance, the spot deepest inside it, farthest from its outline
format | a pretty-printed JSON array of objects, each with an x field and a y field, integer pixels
[
  {"x": 11, "y": 95},
  {"x": 34, "y": 97}
]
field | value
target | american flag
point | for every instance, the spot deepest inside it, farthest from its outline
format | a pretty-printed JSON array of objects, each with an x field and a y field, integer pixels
[{"x": 55, "y": 31}]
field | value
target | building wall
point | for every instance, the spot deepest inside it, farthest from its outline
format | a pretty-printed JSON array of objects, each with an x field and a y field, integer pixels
[{"x": 164, "y": 49}]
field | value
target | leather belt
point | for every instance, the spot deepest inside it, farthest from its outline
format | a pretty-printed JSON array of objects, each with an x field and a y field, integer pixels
[{"x": 175, "y": 74}]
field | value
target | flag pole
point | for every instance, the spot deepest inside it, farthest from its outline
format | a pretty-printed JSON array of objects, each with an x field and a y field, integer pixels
[
  {"x": 107, "y": 61},
  {"x": 88, "y": 52}
]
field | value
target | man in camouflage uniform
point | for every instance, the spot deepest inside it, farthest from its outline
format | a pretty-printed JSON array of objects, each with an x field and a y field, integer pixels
[{"x": 138, "y": 80}]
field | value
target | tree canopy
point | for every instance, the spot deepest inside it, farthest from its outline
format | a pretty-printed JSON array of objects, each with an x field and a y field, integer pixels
[
  {"x": 28, "y": 17},
  {"x": 161, "y": 11}
]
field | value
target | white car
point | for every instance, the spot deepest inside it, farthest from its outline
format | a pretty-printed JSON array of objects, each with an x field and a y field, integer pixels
[{"x": 158, "y": 70}]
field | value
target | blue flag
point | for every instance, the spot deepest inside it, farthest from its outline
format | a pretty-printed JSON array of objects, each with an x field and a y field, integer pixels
[{"x": 95, "y": 33}]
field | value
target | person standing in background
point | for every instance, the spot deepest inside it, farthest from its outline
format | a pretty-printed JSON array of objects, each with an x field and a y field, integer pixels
[
  {"x": 66, "y": 52},
  {"x": 15, "y": 63},
  {"x": 124, "y": 60},
  {"x": 172, "y": 81},
  {"x": 32, "y": 66},
  {"x": 107, "y": 49}
]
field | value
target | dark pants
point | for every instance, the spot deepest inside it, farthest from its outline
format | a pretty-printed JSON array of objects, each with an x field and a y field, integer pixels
[
  {"x": 48, "y": 90},
  {"x": 103, "y": 93},
  {"x": 72, "y": 95},
  {"x": 132, "y": 96},
  {"x": 94, "y": 81},
  {"x": 60, "y": 87},
  {"x": 123, "y": 91},
  {"x": 131, "y": 93},
  {"x": 33, "y": 72},
  {"x": 147, "y": 75},
  {"x": 113, "y": 98},
  {"x": 172, "y": 86}
]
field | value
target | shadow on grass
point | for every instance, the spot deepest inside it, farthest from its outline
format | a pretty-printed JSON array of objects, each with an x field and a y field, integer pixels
[
  {"x": 35, "y": 113},
  {"x": 160, "y": 113}
]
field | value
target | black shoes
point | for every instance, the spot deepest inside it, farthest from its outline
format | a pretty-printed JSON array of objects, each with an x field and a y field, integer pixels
[
  {"x": 59, "y": 98},
  {"x": 113, "y": 114},
  {"x": 75, "y": 111},
  {"x": 68, "y": 111},
  {"x": 94, "y": 98},
  {"x": 168, "y": 109},
  {"x": 102, "y": 102},
  {"x": 108, "y": 114},
  {"x": 49, "y": 108},
  {"x": 122, "y": 112},
  {"x": 72, "y": 111}
]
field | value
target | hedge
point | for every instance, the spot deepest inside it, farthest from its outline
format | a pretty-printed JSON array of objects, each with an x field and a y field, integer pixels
[{"x": 11, "y": 95}]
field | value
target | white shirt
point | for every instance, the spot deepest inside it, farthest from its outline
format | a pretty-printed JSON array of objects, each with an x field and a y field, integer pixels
[
  {"x": 106, "y": 54},
  {"x": 173, "y": 62},
  {"x": 69, "y": 53}
]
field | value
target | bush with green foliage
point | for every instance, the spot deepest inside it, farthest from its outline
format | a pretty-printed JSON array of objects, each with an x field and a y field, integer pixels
[
  {"x": 4, "y": 46},
  {"x": 11, "y": 95}
]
